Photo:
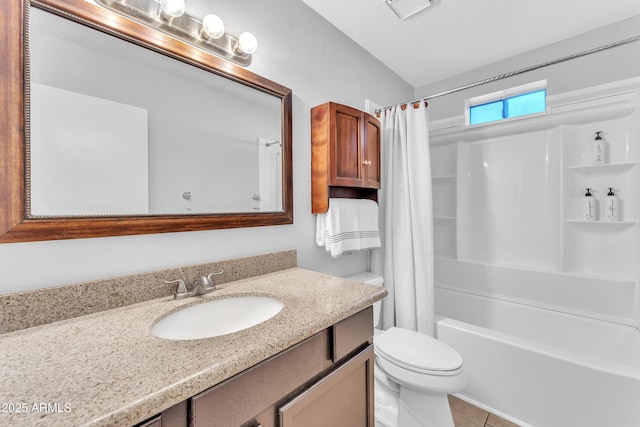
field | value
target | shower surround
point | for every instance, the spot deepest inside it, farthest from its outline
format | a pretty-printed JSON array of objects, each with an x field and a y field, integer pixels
[{"x": 542, "y": 305}]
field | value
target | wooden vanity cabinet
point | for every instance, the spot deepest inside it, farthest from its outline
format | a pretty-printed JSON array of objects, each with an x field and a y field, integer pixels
[
  {"x": 325, "y": 380},
  {"x": 345, "y": 154}
]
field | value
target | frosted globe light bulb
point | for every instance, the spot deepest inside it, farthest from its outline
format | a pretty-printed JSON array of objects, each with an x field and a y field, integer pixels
[
  {"x": 212, "y": 26},
  {"x": 247, "y": 43},
  {"x": 172, "y": 8}
]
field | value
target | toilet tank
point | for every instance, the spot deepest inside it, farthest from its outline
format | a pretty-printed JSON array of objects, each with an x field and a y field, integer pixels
[{"x": 371, "y": 279}]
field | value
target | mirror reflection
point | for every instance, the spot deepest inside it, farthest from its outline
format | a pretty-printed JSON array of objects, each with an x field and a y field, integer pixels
[{"x": 117, "y": 129}]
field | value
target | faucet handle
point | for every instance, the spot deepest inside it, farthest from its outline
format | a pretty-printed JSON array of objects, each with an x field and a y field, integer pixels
[
  {"x": 181, "y": 288},
  {"x": 209, "y": 279},
  {"x": 210, "y": 276}
]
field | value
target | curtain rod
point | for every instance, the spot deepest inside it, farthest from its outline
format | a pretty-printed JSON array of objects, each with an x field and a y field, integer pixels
[{"x": 520, "y": 71}]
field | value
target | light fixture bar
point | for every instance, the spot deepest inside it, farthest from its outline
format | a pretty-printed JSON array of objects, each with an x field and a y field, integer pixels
[{"x": 185, "y": 27}]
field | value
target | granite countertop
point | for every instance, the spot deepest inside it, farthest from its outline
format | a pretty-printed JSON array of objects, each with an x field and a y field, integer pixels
[{"x": 108, "y": 369}]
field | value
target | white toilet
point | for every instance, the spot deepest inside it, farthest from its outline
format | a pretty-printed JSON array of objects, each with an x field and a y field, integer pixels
[{"x": 414, "y": 373}]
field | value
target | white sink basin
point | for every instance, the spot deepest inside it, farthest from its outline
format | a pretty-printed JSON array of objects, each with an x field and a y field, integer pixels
[{"x": 217, "y": 317}]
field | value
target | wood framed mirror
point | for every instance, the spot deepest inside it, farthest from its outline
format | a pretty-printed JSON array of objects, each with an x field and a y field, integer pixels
[{"x": 19, "y": 224}]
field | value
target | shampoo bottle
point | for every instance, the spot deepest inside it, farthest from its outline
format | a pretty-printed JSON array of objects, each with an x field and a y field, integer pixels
[
  {"x": 611, "y": 207},
  {"x": 598, "y": 150},
  {"x": 589, "y": 209}
]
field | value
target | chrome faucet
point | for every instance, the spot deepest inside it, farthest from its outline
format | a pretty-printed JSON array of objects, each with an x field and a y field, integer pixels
[{"x": 203, "y": 285}]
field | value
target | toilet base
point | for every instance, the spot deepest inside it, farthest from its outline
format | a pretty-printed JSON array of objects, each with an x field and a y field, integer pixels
[
  {"x": 386, "y": 395},
  {"x": 398, "y": 406},
  {"x": 386, "y": 416},
  {"x": 417, "y": 409}
]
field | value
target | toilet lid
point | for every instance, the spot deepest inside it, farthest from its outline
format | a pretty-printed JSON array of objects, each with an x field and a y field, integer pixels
[{"x": 416, "y": 351}]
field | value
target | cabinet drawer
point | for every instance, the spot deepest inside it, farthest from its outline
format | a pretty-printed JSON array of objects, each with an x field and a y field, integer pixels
[
  {"x": 352, "y": 333},
  {"x": 236, "y": 401}
]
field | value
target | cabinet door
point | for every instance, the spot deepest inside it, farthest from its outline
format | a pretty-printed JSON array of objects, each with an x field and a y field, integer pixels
[
  {"x": 345, "y": 151},
  {"x": 343, "y": 398},
  {"x": 371, "y": 152}
]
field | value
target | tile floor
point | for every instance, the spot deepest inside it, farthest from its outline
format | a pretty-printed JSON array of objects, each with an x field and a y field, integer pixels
[{"x": 467, "y": 415}]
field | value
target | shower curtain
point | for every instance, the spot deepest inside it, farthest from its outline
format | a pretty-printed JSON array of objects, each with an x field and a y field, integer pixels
[{"x": 406, "y": 220}]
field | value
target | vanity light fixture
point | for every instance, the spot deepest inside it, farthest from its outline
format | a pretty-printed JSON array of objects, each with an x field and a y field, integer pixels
[
  {"x": 212, "y": 27},
  {"x": 170, "y": 9},
  {"x": 169, "y": 17},
  {"x": 247, "y": 44}
]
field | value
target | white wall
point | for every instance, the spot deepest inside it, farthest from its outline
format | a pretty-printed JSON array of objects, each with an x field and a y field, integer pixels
[
  {"x": 298, "y": 49},
  {"x": 614, "y": 64}
]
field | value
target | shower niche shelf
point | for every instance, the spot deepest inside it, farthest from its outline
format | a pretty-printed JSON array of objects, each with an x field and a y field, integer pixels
[
  {"x": 601, "y": 223},
  {"x": 608, "y": 167},
  {"x": 621, "y": 174},
  {"x": 601, "y": 248},
  {"x": 444, "y": 187}
]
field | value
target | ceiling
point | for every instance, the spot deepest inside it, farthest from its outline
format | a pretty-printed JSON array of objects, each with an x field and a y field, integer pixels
[{"x": 455, "y": 36}]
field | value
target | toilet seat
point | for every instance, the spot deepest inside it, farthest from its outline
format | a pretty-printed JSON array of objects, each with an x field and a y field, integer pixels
[{"x": 417, "y": 352}]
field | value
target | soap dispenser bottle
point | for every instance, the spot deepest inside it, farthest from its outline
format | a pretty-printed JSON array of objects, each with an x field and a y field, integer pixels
[
  {"x": 598, "y": 150},
  {"x": 589, "y": 208},
  {"x": 611, "y": 207}
]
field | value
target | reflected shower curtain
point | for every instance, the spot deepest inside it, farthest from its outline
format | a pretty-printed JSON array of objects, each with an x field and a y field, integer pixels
[{"x": 406, "y": 220}]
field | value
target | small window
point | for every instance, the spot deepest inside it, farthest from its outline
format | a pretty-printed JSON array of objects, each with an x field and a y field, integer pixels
[
  {"x": 506, "y": 104},
  {"x": 486, "y": 112}
]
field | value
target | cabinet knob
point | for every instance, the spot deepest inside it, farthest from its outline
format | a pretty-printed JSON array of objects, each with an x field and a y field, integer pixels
[{"x": 366, "y": 162}]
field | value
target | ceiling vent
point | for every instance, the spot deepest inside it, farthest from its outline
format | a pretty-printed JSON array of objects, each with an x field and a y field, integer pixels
[{"x": 407, "y": 8}]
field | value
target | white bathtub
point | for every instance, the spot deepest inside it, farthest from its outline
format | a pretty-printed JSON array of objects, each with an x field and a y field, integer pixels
[{"x": 540, "y": 367}]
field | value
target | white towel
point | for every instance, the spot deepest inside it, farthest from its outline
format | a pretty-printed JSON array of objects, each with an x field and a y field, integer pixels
[{"x": 348, "y": 225}]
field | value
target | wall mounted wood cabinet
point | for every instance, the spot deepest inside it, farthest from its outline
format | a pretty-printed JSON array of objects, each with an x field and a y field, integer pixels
[{"x": 345, "y": 154}]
